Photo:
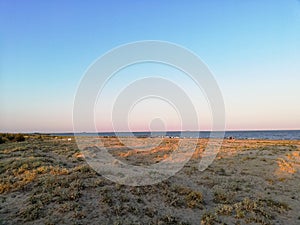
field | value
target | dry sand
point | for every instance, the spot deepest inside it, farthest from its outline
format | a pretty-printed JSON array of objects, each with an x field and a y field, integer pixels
[{"x": 45, "y": 180}]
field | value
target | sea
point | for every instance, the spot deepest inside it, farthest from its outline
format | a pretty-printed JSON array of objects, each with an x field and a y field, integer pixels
[{"x": 259, "y": 134}]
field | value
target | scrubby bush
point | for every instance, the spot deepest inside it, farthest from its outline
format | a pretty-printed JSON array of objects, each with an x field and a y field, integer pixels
[
  {"x": 2, "y": 140},
  {"x": 11, "y": 137},
  {"x": 19, "y": 137}
]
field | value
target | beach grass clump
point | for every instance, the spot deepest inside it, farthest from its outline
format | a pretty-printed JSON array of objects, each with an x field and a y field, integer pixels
[
  {"x": 224, "y": 197},
  {"x": 251, "y": 207},
  {"x": 275, "y": 205},
  {"x": 209, "y": 218},
  {"x": 225, "y": 210},
  {"x": 170, "y": 219},
  {"x": 258, "y": 210},
  {"x": 180, "y": 196},
  {"x": 107, "y": 198},
  {"x": 194, "y": 199}
]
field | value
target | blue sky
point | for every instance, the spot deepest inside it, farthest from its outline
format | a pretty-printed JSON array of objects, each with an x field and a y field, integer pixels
[{"x": 252, "y": 48}]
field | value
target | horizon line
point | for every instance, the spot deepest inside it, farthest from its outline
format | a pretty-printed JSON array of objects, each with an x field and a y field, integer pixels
[{"x": 72, "y": 132}]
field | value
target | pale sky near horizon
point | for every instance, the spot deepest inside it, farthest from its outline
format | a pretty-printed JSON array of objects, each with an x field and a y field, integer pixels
[{"x": 251, "y": 47}]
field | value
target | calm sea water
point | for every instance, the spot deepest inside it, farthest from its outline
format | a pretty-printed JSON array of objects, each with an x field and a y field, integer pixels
[{"x": 272, "y": 135}]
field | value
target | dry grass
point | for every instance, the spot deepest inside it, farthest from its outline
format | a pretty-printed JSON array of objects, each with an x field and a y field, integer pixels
[{"x": 45, "y": 180}]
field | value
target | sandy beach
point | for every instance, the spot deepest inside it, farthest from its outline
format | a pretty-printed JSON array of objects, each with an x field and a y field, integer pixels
[{"x": 46, "y": 180}]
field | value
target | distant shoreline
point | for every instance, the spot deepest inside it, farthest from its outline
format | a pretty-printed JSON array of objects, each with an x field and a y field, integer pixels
[
  {"x": 251, "y": 134},
  {"x": 242, "y": 135}
]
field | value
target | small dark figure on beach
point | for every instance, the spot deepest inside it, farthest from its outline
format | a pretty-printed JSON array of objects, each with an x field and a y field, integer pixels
[{"x": 231, "y": 138}]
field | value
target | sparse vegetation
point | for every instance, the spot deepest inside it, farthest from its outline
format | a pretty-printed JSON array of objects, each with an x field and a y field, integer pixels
[
  {"x": 208, "y": 219},
  {"x": 224, "y": 210},
  {"x": 45, "y": 179},
  {"x": 2, "y": 140},
  {"x": 253, "y": 210},
  {"x": 194, "y": 199},
  {"x": 7, "y": 137},
  {"x": 223, "y": 196}
]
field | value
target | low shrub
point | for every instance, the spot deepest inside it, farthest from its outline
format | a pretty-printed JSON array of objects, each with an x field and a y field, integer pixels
[
  {"x": 2, "y": 140},
  {"x": 11, "y": 137},
  {"x": 19, "y": 137}
]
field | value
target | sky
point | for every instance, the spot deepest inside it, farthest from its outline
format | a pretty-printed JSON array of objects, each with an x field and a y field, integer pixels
[{"x": 251, "y": 47}]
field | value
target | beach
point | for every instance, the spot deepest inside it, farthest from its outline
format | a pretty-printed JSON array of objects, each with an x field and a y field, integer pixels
[{"x": 46, "y": 180}]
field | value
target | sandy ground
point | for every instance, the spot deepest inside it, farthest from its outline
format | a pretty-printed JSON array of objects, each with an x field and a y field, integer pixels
[{"x": 46, "y": 180}]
